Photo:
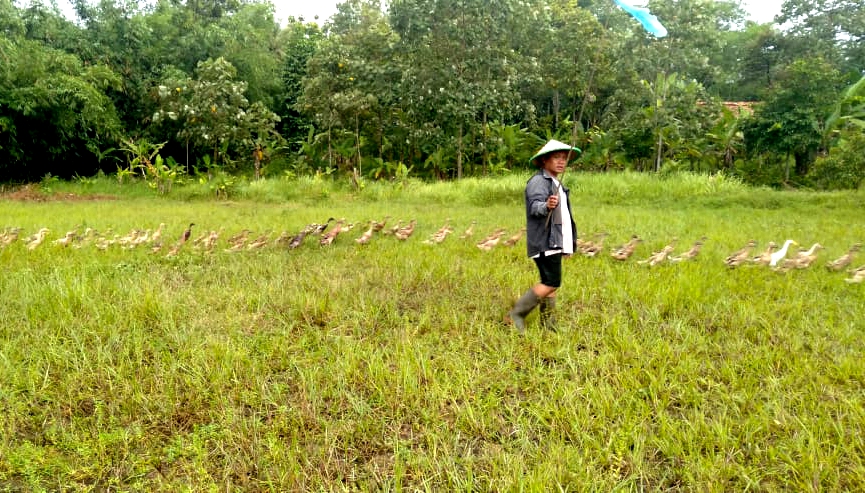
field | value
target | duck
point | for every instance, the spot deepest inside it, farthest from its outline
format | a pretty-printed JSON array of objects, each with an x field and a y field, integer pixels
[
  {"x": 593, "y": 248},
  {"x": 239, "y": 237},
  {"x": 692, "y": 253},
  {"x": 126, "y": 240},
  {"x": 259, "y": 242},
  {"x": 803, "y": 260},
  {"x": 237, "y": 247},
  {"x": 514, "y": 238},
  {"x": 9, "y": 236},
  {"x": 187, "y": 233},
  {"x": 625, "y": 251},
  {"x": 67, "y": 239},
  {"x": 469, "y": 231},
  {"x": 85, "y": 239},
  {"x": 738, "y": 257},
  {"x": 174, "y": 250},
  {"x": 393, "y": 229},
  {"x": 367, "y": 235},
  {"x": 298, "y": 238},
  {"x": 328, "y": 237},
  {"x": 282, "y": 239},
  {"x": 157, "y": 235},
  {"x": 34, "y": 241},
  {"x": 765, "y": 257},
  {"x": 198, "y": 243},
  {"x": 660, "y": 256},
  {"x": 317, "y": 229},
  {"x": 440, "y": 235},
  {"x": 377, "y": 226},
  {"x": 491, "y": 240},
  {"x": 857, "y": 275},
  {"x": 844, "y": 260},
  {"x": 776, "y": 257},
  {"x": 210, "y": 242},
  {"x": 102, "y": 242},
  {"x": 404, "y": 233},
  {"x": 141, "y": 239}
]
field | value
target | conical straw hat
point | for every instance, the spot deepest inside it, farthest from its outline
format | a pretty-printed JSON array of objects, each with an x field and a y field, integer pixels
[{"x": 553, "y": 146}]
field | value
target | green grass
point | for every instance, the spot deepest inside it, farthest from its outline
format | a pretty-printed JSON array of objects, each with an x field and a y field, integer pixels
[{"x": 387, "y": 367}]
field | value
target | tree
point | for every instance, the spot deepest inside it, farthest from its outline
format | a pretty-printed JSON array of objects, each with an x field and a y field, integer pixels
[
  {"x": 792, "y": 120},
  {"x": 459, "y": 69},
  {"x": 118, "y": 35},
  {"x": 54, "y": 113},
  {"x": 213, "y": 111},
  {"x": 351, "y": 80},
  {"x": 298, "y": 41},
  {"x": 832, "y": 29},
  {"x": 694, "y": 47}
]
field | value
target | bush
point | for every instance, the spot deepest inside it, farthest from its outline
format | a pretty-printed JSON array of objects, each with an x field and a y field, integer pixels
[{"x": 843, "y": 169}]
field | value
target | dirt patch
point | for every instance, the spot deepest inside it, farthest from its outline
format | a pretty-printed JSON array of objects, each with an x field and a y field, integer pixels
[{"x": 33, "y": 193}]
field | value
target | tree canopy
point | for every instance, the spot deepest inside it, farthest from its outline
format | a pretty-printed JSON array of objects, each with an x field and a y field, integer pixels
[{"x": 443, "y": 88}]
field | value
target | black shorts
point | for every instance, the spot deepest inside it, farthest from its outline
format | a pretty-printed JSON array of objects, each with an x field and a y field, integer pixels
[{"x": 550, "y": 268}]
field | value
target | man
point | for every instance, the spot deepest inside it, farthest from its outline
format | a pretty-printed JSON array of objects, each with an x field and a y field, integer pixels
[{"x": 550, "y": 233}]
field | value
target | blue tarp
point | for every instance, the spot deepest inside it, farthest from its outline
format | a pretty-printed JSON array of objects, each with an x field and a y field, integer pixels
[{"x": 642, "y": 14}]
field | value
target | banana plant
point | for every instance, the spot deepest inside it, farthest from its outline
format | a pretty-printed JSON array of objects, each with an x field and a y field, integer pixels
[{"x": 850, "y": 109}]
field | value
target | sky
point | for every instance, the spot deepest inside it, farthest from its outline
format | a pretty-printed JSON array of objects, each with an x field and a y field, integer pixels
[{"x": 758, "y": 10}]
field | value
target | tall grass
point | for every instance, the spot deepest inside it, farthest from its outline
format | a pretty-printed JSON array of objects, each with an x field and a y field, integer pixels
[{"x": 386, "y": 366}]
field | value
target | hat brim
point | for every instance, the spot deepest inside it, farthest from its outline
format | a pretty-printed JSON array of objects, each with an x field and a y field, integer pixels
[{"x": 554, "y": 146}]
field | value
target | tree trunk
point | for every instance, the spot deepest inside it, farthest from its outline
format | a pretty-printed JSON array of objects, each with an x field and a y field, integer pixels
[
  {"x": 357, "y": 140},
  {"x": 803, "y": 161},
  {"x": 556, "y": 105},
  {"x": 460, "y": 153},
  {"x": 485, "y": 154},
  {"x": 256, "y": 156},
  {"x": 329, "y": 148}
]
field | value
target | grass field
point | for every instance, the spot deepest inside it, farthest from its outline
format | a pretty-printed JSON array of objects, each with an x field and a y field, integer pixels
[{"x": 386, "y": 366}]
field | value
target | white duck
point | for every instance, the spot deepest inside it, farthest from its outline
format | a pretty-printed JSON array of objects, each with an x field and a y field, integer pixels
[{"x": 780, "y": 254}]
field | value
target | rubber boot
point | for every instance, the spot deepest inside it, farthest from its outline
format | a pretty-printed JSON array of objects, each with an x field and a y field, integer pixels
[
  {"x": 547, "y": 310},
  {"x": 522, "y": 308}
]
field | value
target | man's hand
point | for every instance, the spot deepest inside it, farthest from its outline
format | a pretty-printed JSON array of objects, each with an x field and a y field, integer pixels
[{"x": 552, "y": 202}]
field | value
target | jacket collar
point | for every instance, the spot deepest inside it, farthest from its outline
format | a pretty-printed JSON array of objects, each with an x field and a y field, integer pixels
[{"x": 548, "y": 176}]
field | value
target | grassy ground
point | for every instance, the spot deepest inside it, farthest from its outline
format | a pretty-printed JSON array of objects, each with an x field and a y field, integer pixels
[{"x": 387, "y": 367}]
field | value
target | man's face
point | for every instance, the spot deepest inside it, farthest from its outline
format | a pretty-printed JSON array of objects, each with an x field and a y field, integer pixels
[{"x": 555, "y": 162}]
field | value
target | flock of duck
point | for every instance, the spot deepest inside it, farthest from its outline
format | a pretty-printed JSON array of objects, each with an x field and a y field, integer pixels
[{"x": 773, "y": 256}]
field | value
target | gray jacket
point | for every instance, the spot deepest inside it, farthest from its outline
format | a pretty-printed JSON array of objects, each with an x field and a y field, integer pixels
[{"x": 544, "y": 226}]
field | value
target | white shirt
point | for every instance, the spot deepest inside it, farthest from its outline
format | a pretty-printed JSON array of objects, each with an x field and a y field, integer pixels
[{"x": 567, "y": 231}]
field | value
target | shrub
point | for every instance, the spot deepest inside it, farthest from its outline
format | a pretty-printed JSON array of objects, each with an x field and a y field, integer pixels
[{"x": 843, "y": 169}]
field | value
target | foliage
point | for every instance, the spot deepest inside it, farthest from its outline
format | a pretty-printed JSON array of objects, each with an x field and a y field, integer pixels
[
  {"x": 844, "y": 168},
  {"x": 831, "y": 29},
  {"x": 298, "y": 41},
  {"x": 443, "y": 88},
  {"x": 54, "y": 111},
  {"x": 213, "y": 111},
  {"x": 849, "y": 111},
  {"x": 792, "y": 121}
]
